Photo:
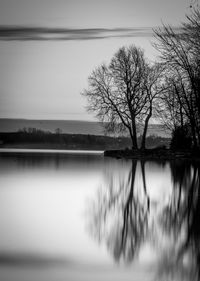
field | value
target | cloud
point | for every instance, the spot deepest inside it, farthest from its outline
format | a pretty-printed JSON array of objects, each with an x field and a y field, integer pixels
[{"x": 42, "y": 33}]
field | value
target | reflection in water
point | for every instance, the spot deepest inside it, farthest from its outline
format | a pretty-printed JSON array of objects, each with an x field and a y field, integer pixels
[
  {"x": 31, "y": 261},
  {"x": 145, "y": 214},
  {"x": 120, "y": 216},
  {"x": 125, "y": 216},
  {"x": 180, "y": 222}
]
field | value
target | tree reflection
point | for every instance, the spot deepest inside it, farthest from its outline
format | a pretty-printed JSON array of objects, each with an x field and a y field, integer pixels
[
  {"x": 180, "y": 220},
  {"x": 120, "y": 215},
  {"x": 124, "y": 216}
]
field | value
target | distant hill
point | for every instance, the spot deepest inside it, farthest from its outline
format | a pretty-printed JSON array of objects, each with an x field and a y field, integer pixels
[{"x": 68, "y": 126}]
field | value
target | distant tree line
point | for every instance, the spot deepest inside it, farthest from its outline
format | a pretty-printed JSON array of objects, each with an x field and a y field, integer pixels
[
  {"x": 130, "y": 90},
  {"x": 45, "y": 139},
  {"x": 33, "y": 137}
]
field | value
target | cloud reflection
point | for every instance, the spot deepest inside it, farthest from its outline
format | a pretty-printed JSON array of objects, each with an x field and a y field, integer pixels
[{"x": 31, "y": 260}]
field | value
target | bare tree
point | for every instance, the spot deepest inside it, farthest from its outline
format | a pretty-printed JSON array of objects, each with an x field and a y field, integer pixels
[
  {"x": 152, "y": 89},
  {"x": 171, "y": 108},
  {"x": 122, "y": 93},
  {"x": 180, "y": 52}
]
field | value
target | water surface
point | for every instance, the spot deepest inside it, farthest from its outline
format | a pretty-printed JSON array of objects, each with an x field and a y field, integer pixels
[{"x": 85, "y": 217}]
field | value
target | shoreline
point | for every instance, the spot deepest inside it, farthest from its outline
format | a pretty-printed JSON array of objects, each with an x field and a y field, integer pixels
[
  {"x": 49, "y": 146},
  {"x": 147, "y": 154},
  {"x": 49, "y": 151},
  {"x": 154, "y": 154}
]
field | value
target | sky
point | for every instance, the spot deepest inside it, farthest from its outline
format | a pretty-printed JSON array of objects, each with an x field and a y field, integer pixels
[{"x": 48, "y": 48}]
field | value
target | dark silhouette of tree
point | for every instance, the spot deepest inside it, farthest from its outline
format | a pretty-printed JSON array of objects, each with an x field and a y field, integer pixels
[
  {"x": 169, "y": 108},
  {"x": 181, "y": 138},
  {"x": 153, "y": 87},
  {"x": 122, "y": 93},
  {"x": 180, "y": 52}
]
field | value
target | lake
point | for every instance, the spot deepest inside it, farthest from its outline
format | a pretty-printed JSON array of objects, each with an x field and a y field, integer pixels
[{"x": 81, "y": 216}]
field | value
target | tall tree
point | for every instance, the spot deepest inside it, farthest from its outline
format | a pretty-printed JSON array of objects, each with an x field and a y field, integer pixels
[
  {"x": 180, "y": 52},
  {"x": 122, "y": 93},
  {"x": 152, "y": 89}
]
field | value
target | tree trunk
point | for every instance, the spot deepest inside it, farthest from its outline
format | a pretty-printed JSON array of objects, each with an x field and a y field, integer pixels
[
  {"x": 134, "y": 136},
  {"x": 192, "y": 123},
  {"x": 143, "y": 144}
]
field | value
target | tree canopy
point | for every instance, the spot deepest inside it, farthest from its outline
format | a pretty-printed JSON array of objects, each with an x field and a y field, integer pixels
[
  {"x": 128, "y": 91},
  {"x": 122, "y": 93},
  {"x": 180, "y": 53}
]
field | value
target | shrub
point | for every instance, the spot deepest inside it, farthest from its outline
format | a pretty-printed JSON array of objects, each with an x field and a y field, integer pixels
[{"x": 181, "y": 138}]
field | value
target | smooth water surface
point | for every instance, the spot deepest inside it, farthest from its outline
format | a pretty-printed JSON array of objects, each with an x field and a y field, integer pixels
[{"x": 85, "y": 217}]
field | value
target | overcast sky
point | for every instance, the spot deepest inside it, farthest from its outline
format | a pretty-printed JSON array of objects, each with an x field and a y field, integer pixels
[{"x": 48, "y": 48}]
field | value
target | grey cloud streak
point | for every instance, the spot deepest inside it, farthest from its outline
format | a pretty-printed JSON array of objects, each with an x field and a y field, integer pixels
[
  {"x": 20, "y": 33},
  {"x": 32, "y": 260}
]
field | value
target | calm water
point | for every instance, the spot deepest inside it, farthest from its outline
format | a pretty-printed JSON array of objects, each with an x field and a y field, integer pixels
[{"x": 85, "y": 217}]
